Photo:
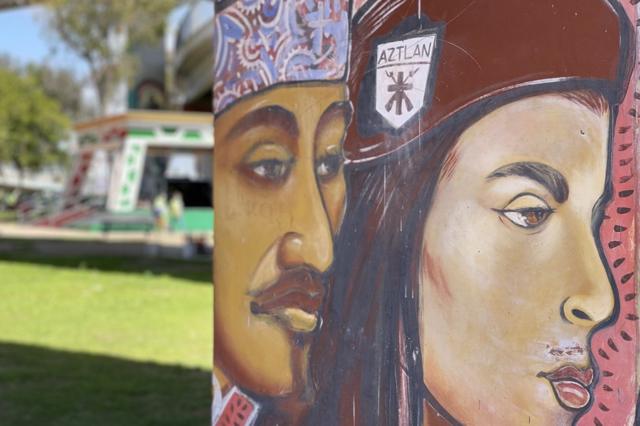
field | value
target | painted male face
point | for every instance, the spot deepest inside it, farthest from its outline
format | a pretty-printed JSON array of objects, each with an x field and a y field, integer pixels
[
  {"x": 279, "y": 201},
  {"x": 512, "y": 279}
]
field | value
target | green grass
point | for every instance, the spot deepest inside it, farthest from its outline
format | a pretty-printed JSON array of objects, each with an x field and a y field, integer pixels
[
  {"x": 7, "y": 216},
  {"x": 104, "y": 341}
]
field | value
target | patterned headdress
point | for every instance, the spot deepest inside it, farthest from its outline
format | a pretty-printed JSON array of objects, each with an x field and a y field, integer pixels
[{"x": 261, "y": 43}]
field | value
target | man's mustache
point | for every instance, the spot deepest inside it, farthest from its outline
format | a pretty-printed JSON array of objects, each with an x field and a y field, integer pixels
[{"x": 299, "y": 287}]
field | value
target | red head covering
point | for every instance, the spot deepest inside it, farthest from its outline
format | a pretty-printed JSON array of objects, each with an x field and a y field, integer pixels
[{"x": 414, "y": 63}]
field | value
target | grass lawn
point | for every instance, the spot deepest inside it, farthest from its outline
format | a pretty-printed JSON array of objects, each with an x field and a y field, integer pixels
[
  {"x": 104, "y": 341},
  {"x": 7, "y": 216}
]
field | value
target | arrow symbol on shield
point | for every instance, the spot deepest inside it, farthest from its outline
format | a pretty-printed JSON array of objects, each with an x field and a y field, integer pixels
[{"x": 399, "y": 88}]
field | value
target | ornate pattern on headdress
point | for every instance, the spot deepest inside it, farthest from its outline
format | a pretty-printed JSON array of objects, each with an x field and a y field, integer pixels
[{"x": 260, "y": 43}]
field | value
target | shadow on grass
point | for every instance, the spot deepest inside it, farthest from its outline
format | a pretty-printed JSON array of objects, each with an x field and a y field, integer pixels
[
  {"x": 198, "y": 271},
  {"x": 40, "y": 386}
]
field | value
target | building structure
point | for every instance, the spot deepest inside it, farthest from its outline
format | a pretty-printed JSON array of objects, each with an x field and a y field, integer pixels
[{"x": 162, "y": 144}]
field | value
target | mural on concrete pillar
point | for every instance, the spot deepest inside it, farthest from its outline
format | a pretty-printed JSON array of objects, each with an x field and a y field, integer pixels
[
  {"x": 280, "y": 116},
  {"x": 425, "y": 212}
]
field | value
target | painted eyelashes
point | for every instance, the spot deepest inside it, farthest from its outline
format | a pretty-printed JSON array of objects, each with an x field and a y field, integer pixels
[{"x": 526, "y": 211}]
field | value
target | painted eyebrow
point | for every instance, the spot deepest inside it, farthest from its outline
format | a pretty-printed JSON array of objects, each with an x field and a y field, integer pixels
[
  {"x": 272, "y": 115},
  {"x": 547, "y": 176},
  {"x": 339, "y": 109}
]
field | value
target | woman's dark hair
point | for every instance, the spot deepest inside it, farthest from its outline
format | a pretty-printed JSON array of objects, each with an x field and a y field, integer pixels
[{"x": 366, "y": 362}]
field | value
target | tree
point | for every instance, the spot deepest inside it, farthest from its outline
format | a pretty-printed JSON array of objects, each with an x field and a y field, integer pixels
[
  {"x": 32, "y": 124},
  {"x": 6, "y": 61},
  {"x": 63, "y": 86},
  {"x": 60, "y": 84},
  {"x": 102, "y": 33}
]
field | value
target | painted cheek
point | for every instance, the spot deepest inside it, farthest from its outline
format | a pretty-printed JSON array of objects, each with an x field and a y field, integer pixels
[
  {"x": 432, "y": 270},
  {"x": 335, "y": 202}
]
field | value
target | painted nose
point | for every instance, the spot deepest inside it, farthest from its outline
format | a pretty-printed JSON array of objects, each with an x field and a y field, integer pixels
[
  {"x": 310, "y": 241},
  {"x": 593, "y": 302},
  {"x": 587, "y": 310}
]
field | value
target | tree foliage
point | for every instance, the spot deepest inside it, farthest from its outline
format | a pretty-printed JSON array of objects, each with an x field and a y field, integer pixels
[
  {"x": 102, "y": 32},
  {"x": 63, "y": 86},
  {"x": 32, "y": 124}
]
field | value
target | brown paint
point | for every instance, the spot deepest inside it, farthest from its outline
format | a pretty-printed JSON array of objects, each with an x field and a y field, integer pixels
[
  {"x": 470, "y": 68},
  {"x": 580, "y": 39},
  {"x": 298, "y": 288},
  {"x": 432, "y": 417},
  {"x": 449, "y": 164},
  {"x": 435, "y": 274},
  {"x": 561, "y": 352},
  {"x": 340, "y": 109},
  {"x": 269, "y": 116},
  {"x": 258, "y": 353}
]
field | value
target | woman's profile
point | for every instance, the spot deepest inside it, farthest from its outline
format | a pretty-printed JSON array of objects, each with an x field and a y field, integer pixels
[{"x": 470, "y": 276}]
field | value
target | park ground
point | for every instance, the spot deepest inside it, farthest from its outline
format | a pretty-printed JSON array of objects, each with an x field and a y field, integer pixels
[{"x": 104, "y": 340}]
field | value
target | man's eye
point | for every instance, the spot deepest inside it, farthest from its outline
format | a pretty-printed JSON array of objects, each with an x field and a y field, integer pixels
[
  {"x": 528, "y": 217},
  {"x": 273, "y": 171},
  {"x": 328, "y": 166}
]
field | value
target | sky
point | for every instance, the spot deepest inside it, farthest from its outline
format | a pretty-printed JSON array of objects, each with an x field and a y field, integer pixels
[{"x": 23, "y": 36}]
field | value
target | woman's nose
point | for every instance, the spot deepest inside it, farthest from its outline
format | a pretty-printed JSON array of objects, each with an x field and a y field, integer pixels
[
  {"x": 587, "y": 310},
  {"x": 592, "y": 300}
]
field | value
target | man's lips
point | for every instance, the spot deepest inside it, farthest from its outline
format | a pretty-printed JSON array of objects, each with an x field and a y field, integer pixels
[
  {"x": 570, "y": 385},
  {"x": 295, "y": 291}
]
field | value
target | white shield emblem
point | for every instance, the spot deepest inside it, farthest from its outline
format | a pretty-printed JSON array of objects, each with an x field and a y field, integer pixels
[{"x": 402, "y": 76}]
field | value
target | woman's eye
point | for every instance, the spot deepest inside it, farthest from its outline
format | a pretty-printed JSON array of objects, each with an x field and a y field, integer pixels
[
  {"x": 328, "y": 166},
  {"x": 271, "y": 170},
  {"x": 527, "y": 210},
  {"x": 528, "y": 217}
]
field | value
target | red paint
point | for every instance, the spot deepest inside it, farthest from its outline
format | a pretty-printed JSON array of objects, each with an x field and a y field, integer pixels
[
  {"x": 572, "y": 395},
  {"x": 449, "y": 164},
  {"x": 237, "y": 412},
  {"x": 615, "y": 393},
  {"x": 434, "y": 272}
]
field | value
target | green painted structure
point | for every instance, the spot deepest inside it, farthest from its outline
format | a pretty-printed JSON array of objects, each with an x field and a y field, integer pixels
[{"x": 128, "y": 140}]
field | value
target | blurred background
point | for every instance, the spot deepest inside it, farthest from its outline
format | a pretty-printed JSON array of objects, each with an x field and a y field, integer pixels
[{"x": 106, "y": 212}]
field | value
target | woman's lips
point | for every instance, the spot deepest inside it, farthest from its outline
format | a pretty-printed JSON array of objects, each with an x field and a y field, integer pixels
[
  {"x": 570, "y": 385},
  {"x": 572, "y": 395},
  {"x": 294, "y": 300}
]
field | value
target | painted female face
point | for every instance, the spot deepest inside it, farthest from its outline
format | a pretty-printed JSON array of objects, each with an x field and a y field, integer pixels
[
  {"x": 279, "y": 201},
  {"x": 512, "y": 278}
]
